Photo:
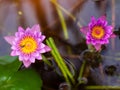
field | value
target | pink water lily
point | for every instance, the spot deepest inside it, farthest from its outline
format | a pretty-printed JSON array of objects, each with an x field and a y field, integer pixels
[
  {"x": 27, "y": 44},
  {"x": 98, "y": 32}
]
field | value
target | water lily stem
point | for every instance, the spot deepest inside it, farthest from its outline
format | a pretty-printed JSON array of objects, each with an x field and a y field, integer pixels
[{"x": 59, "y": 60}]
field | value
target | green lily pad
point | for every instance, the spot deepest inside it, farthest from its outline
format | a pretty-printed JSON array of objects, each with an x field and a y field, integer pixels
[
  {"x": 12, "y": 79},
  {"x": 7, "y": 60},
  {"x": 8, "y": 66},
  {"x": 26, "y": 79}
]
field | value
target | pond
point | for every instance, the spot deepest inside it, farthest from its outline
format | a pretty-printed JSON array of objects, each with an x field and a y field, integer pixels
[{"x": 70, "y": 43}]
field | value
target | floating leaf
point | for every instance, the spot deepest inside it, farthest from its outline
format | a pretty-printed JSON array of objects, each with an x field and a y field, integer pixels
[
  {"x": 26, "y": 79},
  {"x": 8, "y": 66},
  {"x": 7, "y": 60},
  {"x": 12, "y": 79}
]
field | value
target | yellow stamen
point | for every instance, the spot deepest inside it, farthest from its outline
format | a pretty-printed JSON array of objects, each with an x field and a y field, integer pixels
[
  {"x": 97, "y": 32},
  {"x": 28, "y": 45}
]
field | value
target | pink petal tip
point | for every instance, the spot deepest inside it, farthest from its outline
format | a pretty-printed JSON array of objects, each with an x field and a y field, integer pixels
[
  {"x": 84, "y": 30},
  {"x": 9, "y": 39},
  {"x": 113, "y": 36},
  {"x": 36, "y": 28},
  {"x": 97, "y": 46}
]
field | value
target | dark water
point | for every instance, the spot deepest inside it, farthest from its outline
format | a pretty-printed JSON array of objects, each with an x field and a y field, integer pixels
[{"x": 14, "y": 13}]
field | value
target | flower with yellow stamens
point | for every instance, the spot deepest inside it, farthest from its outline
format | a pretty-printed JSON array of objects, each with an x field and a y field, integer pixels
[
  {"x": 27, "y": 44},
  {"x": 98, "y": 32}
]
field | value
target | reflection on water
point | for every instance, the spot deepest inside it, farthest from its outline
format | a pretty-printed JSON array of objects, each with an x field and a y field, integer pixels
[{"x": 14, "y": 13}]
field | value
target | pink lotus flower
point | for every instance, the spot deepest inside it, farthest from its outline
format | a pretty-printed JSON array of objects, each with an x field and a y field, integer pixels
[
  {"x": 27, "y": 44},
  {"x": 98, "y": 32}
]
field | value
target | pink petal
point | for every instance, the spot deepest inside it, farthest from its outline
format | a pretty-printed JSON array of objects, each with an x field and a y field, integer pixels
[
  {"x": 106, "y": 41},
  {"x": 93, "y": 20},
  {"x": 26, "y": 63},
  {"x": 88, "y": 41},
  {"x": 13, "y": 53},
  {"x": 26, "y": 57},
  {"x": 20, "y": 29},
  {"x": 84, "y": 30},
  {"x": 97, "y": 46},
  {"x": 19, "y": 34},
  {"x": 14, "y": 47},
  {"x": 9, "y": 39},
  {"x": 112, "y": 35},
  {"x": 47, "y": 49},
  {"x": 39, "y": 57},
  {"x": 103, "y": 18},
  {"x": 88, "y": 36},
  {"x": 39, "y": 34},
  {"x": 28, "y": 29},
  {"x": 93, "y": 42},
  {"x": 36, "y": 28},
  {"x": 102, "y": 41},
  {"x": 32, "y": 59},
  {"x": 42, "y": 50},
  {"x": 42, "y": 45},
  {"x": 35, "y": 54},
  {"x": 102, "y": 21},
  {"x": 42, "y": 37},
  {"x": 109, "y": 29},
  {"x": 21, "y": 58}
]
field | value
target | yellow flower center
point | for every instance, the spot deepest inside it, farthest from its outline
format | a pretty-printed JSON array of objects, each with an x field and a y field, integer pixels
[
  {"x": 28, "y": 45},
  {"x": 97, "y": 32}
]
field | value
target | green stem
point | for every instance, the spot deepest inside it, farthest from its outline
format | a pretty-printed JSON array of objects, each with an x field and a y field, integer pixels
[
  {"x": 62, "y": 23},
  {"x": 61, "y": 60},
  {"x": 82, "y": 69},
  {"x": 56, "y": 59},
  {"x": 62, "y": 20},
  {"x": 103, "y": 87},
  {"x": 46, "y": 61},
  {"x": 81, "y": 73},
  {"x": 66, "y": 12}
]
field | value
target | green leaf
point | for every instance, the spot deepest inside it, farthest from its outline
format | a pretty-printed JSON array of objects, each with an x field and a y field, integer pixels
[
  {"x": 8, "y": 66},
  {"x": 26, "y": 79},
  {"x": 12, "y": 79},
  {"x": 7, "y": 60}
]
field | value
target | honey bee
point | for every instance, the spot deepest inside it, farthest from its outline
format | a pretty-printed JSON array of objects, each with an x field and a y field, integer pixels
[{"x": 22, "y": 46}]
